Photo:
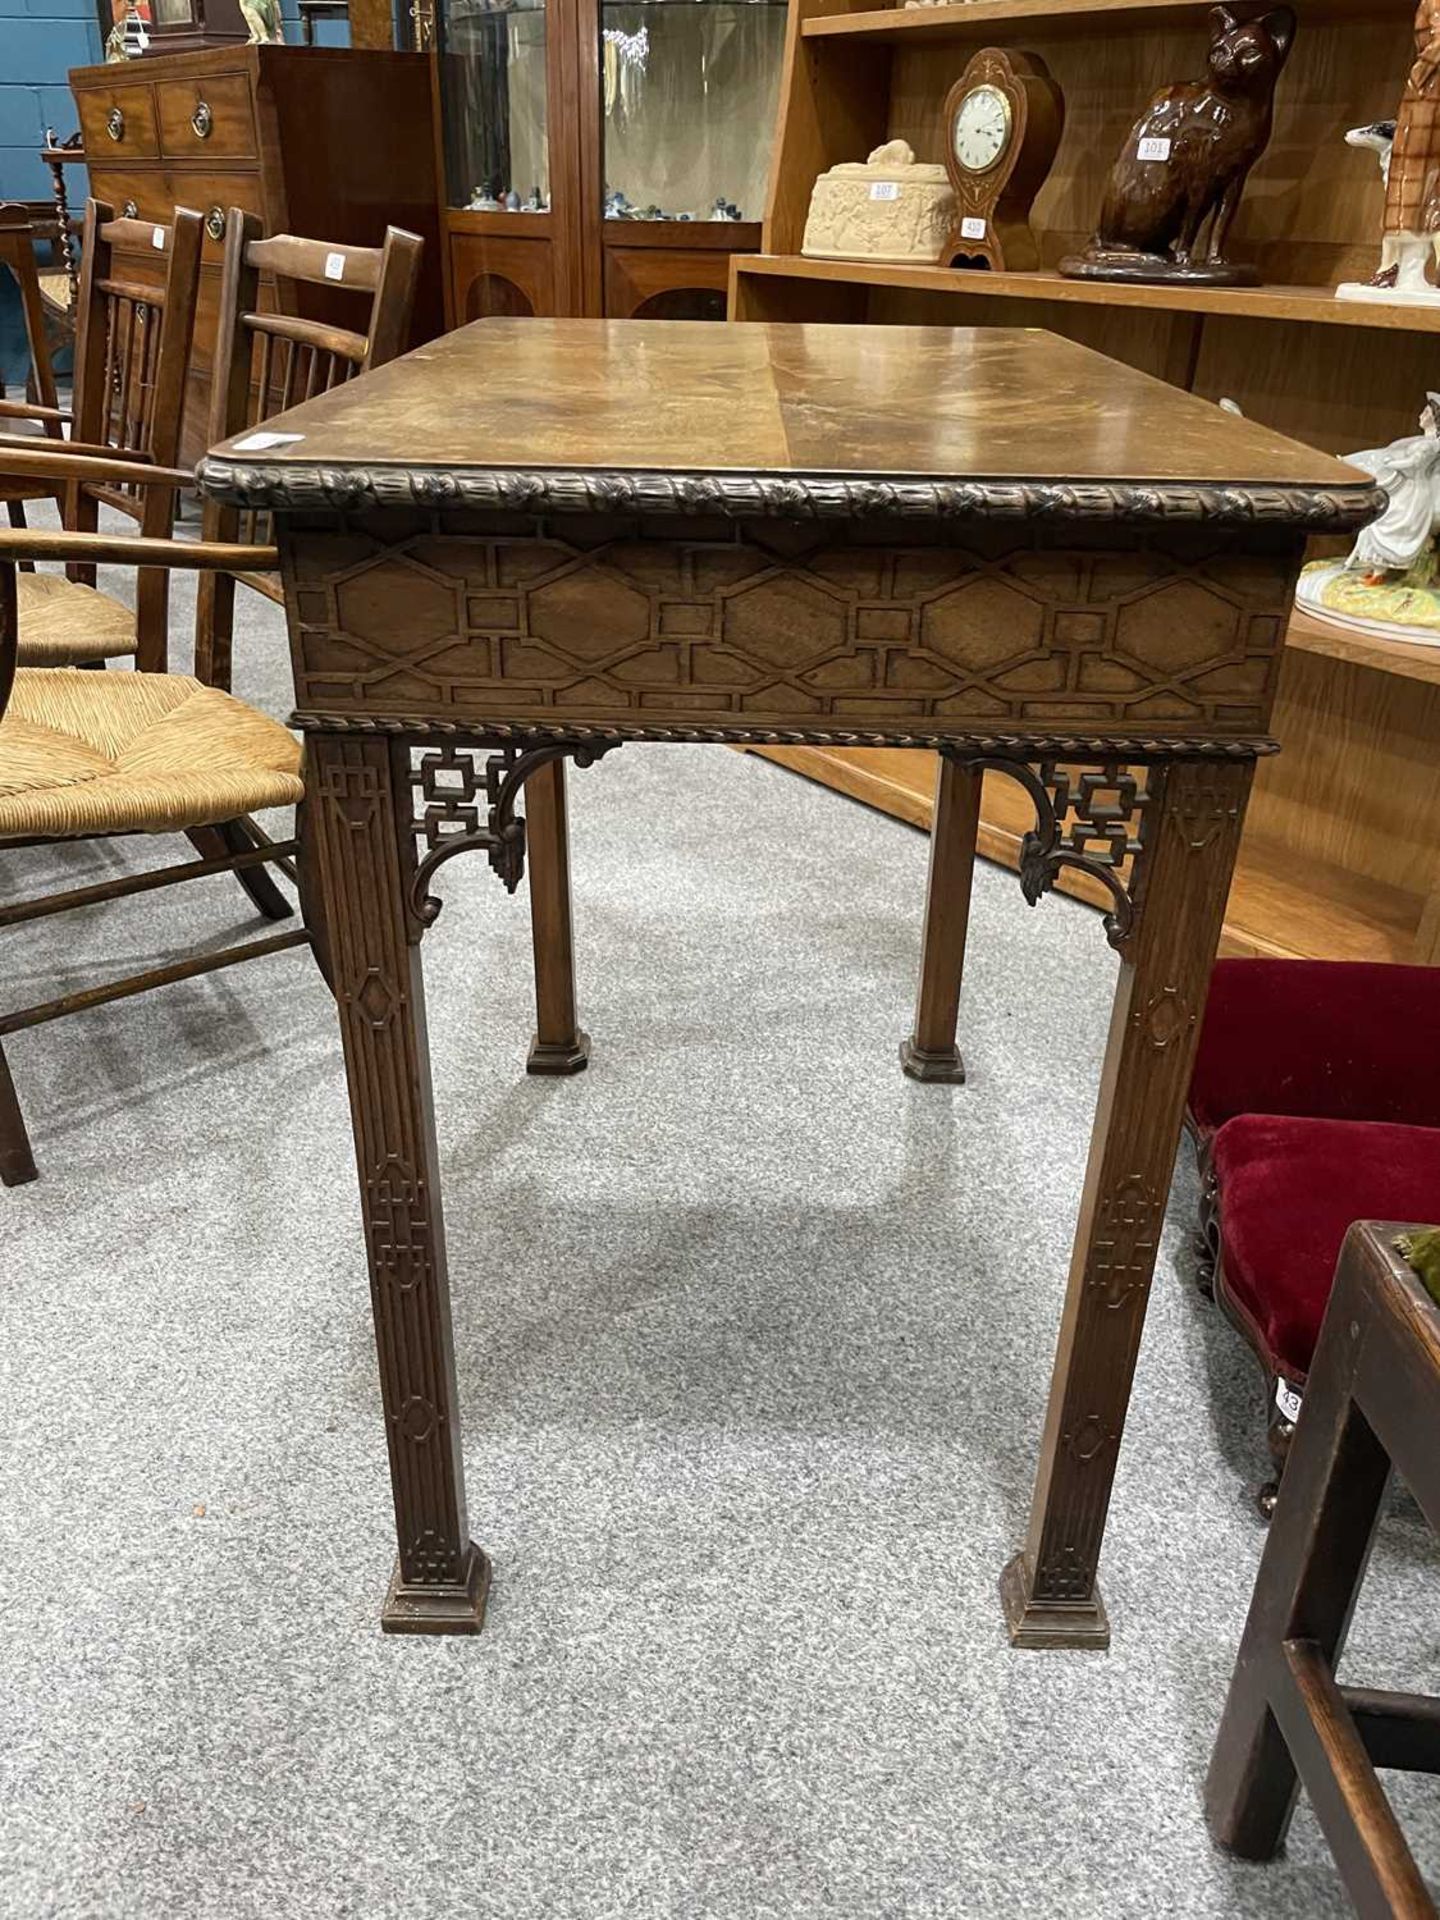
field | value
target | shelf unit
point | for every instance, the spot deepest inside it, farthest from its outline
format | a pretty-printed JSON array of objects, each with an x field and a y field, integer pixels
[
  {"x": 1340, "y": 857},
  {"x": 1314, "y": 306}
]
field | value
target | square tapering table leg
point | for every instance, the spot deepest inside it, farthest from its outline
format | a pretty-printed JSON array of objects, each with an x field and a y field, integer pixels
[
  {"x": 559, "y": 1046},
  {"x": 1193, "y": 818},
  {"x": 359, "y": 809},
  {"x": 931, "y": 1053}
]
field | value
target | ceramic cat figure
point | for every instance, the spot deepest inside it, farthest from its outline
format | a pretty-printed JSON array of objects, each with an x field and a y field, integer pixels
[{"x": 1186, "y": 161}]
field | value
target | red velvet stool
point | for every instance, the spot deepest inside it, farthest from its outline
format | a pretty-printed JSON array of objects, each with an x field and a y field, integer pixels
[{"x": 1315, "y": 1102}]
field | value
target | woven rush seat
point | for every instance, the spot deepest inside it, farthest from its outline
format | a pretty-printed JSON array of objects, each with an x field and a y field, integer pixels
[
  {"x": 63, "y": 622},
  {"x": 88, "y": 753},
  {"x": 55, "y": 289}
]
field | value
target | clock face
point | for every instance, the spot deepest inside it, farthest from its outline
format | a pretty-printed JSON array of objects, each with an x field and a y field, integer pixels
[{"x": 981, "y": 128}]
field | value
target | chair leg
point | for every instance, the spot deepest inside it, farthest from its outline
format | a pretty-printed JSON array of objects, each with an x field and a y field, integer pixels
[
  {"x": 17, "y": 1163},
  {"x": 213, "y": 843},
  {"x": 16, "y": 509}
]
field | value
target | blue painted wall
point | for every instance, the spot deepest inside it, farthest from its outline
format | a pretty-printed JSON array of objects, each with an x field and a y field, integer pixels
[{"x": 40, "y": 40}]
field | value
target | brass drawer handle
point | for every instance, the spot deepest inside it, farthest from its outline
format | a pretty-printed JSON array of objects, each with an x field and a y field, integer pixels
[
  {"x": 203, "y": 121},
  {"x": 215, "y": 223},
  {"x": 129, "y": 211},
  {"x": 115, "y": 124}
]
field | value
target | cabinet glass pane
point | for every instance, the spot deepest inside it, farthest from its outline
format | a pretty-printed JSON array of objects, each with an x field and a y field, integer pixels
[
  {"x": 492, "y": 68},
  {"x": 690, "y": 94}
]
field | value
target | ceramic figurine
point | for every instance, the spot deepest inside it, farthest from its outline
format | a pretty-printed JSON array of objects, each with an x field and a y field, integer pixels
[
  {"x": 1390, "y": 583},
  {"x": 130, "y": 35},
  {"x": 1411, "y": 171},
  {"x": 890, "y": 207},
  {"x": 512, "y": 201},
  {"x": 262, "y": 18},
  {"x": 1186, "y": 161}
]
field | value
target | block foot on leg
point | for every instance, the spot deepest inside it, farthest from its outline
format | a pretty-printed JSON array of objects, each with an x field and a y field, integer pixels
[
  {"x": 559, "y": 1056},
  {"x": 411, "y": 1608},
  {"x": 1031, "y": 1623},
  {"x": 926, "y": 1063}
]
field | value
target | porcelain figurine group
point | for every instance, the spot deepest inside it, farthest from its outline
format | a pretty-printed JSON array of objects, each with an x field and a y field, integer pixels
[{"x": 1390, "y": 582}]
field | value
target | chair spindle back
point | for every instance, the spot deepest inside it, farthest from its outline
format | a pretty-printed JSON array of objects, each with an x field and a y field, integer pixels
[{"x": 132, "y": 355}]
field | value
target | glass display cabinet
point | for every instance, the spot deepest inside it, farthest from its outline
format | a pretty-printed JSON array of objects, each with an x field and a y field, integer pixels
[{"x": 602, "y": 156}]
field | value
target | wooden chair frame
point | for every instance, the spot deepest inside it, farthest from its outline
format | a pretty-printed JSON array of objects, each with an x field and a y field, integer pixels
[
  {"x": 268, "y": 362},
  {"x": 228, "y": 848},
  {"x": 1372, "y": 1403},
  {"x": 129, "y": 391}
]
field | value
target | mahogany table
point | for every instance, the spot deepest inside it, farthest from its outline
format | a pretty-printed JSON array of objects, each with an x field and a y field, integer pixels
[{"x": 534, "y": 540}]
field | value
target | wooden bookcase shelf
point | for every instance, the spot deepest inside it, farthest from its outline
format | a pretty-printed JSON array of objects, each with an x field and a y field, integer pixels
[
  {"x": 1340, "y": 856},
  {"x": 1311, "y": 305},
  {"x": 988, "y": 20}
]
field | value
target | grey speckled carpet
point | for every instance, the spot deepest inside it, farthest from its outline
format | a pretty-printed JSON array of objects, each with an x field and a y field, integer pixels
[{"x": 753, "y": 1337}]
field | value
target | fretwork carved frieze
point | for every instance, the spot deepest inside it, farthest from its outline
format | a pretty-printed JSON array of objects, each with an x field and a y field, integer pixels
[{"x": 1003, "y": 628}]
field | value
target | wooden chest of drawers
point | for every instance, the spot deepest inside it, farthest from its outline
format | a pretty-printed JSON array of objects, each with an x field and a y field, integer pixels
[{"x": 333, "y": 143}]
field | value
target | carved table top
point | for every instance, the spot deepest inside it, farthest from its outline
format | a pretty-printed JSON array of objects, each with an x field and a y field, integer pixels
[{"x": 782, "y": 419}]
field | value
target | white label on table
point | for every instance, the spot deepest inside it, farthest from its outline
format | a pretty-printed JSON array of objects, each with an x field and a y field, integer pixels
[
  {"x": 335, "y": 265},
  {"x": 157, "y": 239},
  {"x": 972, "y": 228},
  {"x": 1288, "y": 1399},
  {"x": 885, "y": 190},
  {"x": 1153, "y": 149},
  {"x": 263, "y": 442}
]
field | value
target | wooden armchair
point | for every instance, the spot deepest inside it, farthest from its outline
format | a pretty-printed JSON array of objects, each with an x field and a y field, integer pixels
[
  {"x": 18, "y": 238},
  {"x": 86, "y": 755},
  {"x": 268, "y": 362},
  {"x": 131, "y": 356}
]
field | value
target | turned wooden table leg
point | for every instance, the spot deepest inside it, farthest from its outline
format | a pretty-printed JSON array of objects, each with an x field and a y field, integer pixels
[
  {"x": 1192, "y": 827},
  {"x": 930, "y": 1053},
  {"x": 559, "y": 1045},
  {"x": 359, "y": 811}
]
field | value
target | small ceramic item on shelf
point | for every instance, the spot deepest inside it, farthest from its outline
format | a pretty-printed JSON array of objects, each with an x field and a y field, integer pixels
[
  {"x": 130, "y": 35},
  {"x": 263, "y": 22},
  {"x": 1003, "y": 119},
  {"x": 486, "y": 199},
  {"x": 1390, "y": 584},
  {"x": 1186, "y": 161},
  {"x": 512, "y": 201},
  {"x": 1410, "y": 168},
  {"x": 724, "y": 209},
  {"x": 890, "y": 207}
]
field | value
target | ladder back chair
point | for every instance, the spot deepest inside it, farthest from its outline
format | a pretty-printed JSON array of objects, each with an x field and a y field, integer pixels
[
  {"x": 102, "y": 755},
  {"x": 131, "y": 357},
  {"x": 19, "y": 236},
  {"x": 267, "y": 362}
]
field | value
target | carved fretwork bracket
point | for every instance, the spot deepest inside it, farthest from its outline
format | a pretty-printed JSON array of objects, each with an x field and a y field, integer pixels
[
  {"x": 463, "y": 806},
  {"x": 1092, "y": 819}
]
